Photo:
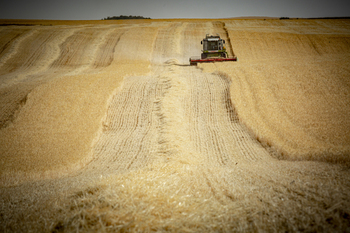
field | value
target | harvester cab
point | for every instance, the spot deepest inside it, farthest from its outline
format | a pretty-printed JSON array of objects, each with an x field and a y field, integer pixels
[
  {"x": 213, "y": 46},
  {"x": 213, "y": 51}
]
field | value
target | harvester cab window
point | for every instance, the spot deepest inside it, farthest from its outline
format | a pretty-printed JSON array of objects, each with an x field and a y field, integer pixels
[{"x": 213, "y": 45}]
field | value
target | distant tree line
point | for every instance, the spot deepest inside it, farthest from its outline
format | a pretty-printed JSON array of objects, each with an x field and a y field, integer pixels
[{"x": 125, "y": 17}]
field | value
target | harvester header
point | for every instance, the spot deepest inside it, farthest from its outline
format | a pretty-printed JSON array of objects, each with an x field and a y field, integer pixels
[{"x": 213, "y": 51}]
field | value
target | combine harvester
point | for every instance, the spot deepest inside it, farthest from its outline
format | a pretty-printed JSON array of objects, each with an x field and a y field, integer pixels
[{"x": 213, "y": 51}]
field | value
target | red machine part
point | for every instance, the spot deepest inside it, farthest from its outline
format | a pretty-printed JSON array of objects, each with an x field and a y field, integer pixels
[{"x": 193, "y": 62}]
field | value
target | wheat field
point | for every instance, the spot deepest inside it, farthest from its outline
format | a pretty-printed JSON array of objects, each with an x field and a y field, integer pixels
[{"x": 105, "y": 127}]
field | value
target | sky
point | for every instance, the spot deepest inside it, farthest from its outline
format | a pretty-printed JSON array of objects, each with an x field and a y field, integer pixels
[{"x": 99, "y": 9}]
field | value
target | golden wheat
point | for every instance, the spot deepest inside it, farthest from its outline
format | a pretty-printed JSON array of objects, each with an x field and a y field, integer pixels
[{"x": 105, "y": 127}]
